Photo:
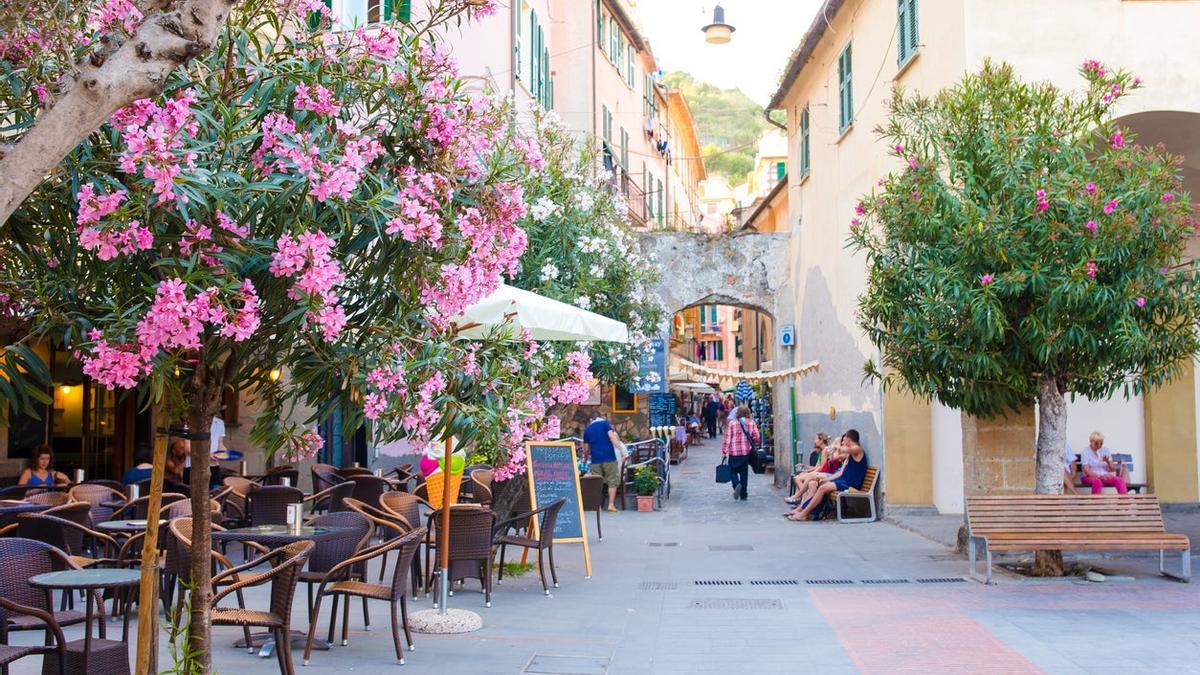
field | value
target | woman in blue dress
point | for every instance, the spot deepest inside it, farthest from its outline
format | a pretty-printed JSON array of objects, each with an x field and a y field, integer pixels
[
  {"x": 40, "y": 472},
  {"x": 851, "y": 475}
]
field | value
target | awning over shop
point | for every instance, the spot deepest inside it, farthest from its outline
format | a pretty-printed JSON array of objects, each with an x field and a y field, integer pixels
[{"x": 724, "y": 376}]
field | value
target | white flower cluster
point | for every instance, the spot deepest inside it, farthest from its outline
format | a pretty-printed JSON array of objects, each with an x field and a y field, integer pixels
[
  {"x": 583, "y": 302},
  {"x": 543, "y": 208},
  {"x": 597, "y": 271},
  {"x": 584, "y": 201},
  {"x": 592, "y": 244},
  {"x": 549, "y": 272}
]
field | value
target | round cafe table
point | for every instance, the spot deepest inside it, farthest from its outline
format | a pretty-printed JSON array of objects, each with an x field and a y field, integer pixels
[
  {"x": 129, "y": 527},
  {"x": 9, "y": 510},
  {"x": 110, "y": 656}
]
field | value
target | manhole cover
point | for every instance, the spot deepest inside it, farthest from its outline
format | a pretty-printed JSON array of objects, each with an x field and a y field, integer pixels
[
  {"x": 829, "y": 582},
  {"x": 774, "y": 582},
  {"x": 880, "y": 582},
  {"x": 717, "y": 582},
  {"x": 736, "y": 603},
  {"x": 567, "y": 665},
  {"x": 731, "y": 547},
  {"x": 657, "y": 586},
  {"x": 942, "y": 580}
]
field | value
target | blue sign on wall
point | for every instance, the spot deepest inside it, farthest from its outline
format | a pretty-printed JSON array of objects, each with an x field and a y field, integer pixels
[{"x": 654, "y": 362}]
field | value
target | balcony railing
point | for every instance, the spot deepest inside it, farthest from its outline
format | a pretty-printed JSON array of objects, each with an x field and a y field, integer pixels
[{"x": 635, "y": 197}]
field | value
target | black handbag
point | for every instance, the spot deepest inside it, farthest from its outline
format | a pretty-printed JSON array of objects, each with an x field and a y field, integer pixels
[
  {"x": 724, "y": 473},
  {"x": 757, "y": 458}
]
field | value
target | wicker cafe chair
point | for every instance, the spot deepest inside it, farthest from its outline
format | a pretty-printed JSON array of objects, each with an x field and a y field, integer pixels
[
  {"x": 93, "y": 494},
  {"x": 25, "y": 558},
  {"x": 324, "y": 477},
  {"x": 547, "y": 517},
  {"x": 351, "y": 472},
  {"x": 178, "y": 568},
  {"x": 69, "y": 536},
  {"x": 368, "y": 488},
  {"x": 329, "y": 552},
  {"x": 235, "y": 501},
  {"x": 470, "y": 547},
  {"x": 50, "y": 498},
  {"x": 481, "y": 486},
  {"x": 591, "y": 490},
  {"x": 288, "y": 561},
  {"x": 388, "y": 524},
  {"x": 332, "y": 499},
  {"x": 405, "y": 509},
  {"x": 338, "y": 581},
  {"x": 267, "y": 505},
  {"x": 10, "y": 653},
  {"x": 276, "y": 475}
]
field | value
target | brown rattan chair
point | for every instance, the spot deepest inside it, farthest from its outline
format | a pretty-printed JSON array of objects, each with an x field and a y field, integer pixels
[
  {"x": 397, "y": 509},
  {"x": 114, "y": 484},
  {"x": 49, "y": 498},
  {"x": 339, "y": 581},
  {"x": 481, "y": 486},
  {"x": 94, "y": 494},
  {"x": 591, "y": 491},
  {"x": 351, "y": 472},
  {"x": 324, "y": 476},
  {"x": 332, "y": 499},
  {"x": 329, "y": 552},
  {"x": 470, "y": 547},
  {"x": 283, "y": 576},
  {"x": 547, "y": 517},
  {"x": 275, "y": 476},
  {"x": 178, "y": 567},
  {"x": 70, "y": 537},
  {"x": 369, "y": 488},
  {"x": 235, "y": 501},
  {"x": 10, "y": 653},
  {"x": 138, "y": 508},
  {"x": 25, "y": 558},
  {"x": 267, "y": 505}
]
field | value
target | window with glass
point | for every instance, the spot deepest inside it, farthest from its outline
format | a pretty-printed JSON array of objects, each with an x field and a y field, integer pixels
[{"x": 845, "y": 90}]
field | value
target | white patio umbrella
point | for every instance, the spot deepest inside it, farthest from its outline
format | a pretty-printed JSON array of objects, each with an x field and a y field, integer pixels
[{"x": 544, "y": 318}]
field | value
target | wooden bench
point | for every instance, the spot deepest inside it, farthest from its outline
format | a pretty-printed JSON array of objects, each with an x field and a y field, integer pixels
[
  {"x": 1131, "y": 522},
  {"x": 867, "y": 491}
]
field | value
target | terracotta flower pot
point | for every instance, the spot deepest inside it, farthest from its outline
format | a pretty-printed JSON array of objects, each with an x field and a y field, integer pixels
[{"x": 645, "y": 504}]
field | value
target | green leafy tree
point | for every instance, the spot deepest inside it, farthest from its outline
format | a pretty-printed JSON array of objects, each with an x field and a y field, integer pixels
[
  {"x": 728, "y": 123},
  {"x": 1028, "y": 250}
]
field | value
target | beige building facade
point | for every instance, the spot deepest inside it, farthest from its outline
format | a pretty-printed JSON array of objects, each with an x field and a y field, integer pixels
[{"x": 834, "y": 92}]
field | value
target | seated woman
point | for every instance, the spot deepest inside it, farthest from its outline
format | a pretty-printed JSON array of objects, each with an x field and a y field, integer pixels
[
  {"x": 141, "y": 470},
  {"x": 1098, "y": 467},
  {"x": 831, "y": 460},
  {"x": 177, "y": 459},
  {"x": 39, "y": 472},
  {"x": 851, "y": 475},
  {"x": 1069, "y": 471}
]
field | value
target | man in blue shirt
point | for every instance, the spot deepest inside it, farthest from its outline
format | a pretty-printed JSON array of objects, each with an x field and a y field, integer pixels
[{"x": 600, "y": 443}]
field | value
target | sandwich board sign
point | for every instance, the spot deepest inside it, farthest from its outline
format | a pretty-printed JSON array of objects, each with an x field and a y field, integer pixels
[{"x": 553, "y": 472}]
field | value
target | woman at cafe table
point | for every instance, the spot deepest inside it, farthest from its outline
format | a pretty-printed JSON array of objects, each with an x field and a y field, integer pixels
[{"x": 40, "y": 470}]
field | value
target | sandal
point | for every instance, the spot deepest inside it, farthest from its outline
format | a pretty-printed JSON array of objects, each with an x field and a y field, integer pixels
[{"x": 797, "y": 520}]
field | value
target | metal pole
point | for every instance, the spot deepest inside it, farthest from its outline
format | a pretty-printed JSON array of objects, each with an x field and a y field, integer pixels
[
  {"x": 792, "y": 406},
  {"x": 444, "y": 539}
]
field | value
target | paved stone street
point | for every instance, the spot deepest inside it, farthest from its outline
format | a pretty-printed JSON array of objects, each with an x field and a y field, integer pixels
[{"x": 710, "y": 585}]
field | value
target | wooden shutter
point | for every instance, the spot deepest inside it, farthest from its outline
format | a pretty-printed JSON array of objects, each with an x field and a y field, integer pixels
[
  {"x": 845, "y": 90},
  {"x": 534, "y": 53},
  {"x": 901, "y": 31},
  {"x": 546, "y": 89},
  {"x": 913, "y": 34},
  {"x": 804, "y": 151}
]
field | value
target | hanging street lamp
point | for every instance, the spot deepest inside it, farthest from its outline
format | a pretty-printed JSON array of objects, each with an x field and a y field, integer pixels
[{"x": 718, "y": 32}]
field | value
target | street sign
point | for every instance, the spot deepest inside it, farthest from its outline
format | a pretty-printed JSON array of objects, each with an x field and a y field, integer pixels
[{"x": 787, "y": 335}]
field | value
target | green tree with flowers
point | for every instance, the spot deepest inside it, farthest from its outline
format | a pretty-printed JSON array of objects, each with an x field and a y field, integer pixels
[{"x": 1028, "y": 250}]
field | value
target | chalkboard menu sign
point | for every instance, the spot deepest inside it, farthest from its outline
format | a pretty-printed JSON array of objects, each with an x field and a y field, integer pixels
[
  {"x": 662, "y": 410},
  {"x": 552, "y": 468}
]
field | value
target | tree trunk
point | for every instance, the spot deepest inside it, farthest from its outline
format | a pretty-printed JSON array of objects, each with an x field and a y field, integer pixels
[
  {"x": 205, "y": 400},
  {"x": 507, "y": 497},
  {"x": 1051, "y": 440},
  {"x": 147, "y": 635},
  {"x": 103, "y": 84}
]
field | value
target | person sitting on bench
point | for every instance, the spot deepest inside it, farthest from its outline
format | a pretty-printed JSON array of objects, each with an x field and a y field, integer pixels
[
  {"x": 1069, "y": 471},
  {"x": 1098, "y": 467},
  {"x": 851, "y": 475},
  {"x": 832, "y": 457}
]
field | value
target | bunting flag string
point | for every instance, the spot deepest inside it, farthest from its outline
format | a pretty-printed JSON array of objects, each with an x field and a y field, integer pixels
[{"x": 756, "y": 376}]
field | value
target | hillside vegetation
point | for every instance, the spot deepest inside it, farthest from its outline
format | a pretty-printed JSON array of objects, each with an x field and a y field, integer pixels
[{"x": 728, "y": 122}]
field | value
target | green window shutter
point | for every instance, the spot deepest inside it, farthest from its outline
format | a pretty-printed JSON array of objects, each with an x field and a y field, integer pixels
[
  {"x": 845, "y": 90},
  {"x": 712, "y": 314},
  {"x": 397, "y": 10},
  {"x": 624, "y": 149},
  {"x": 661, "y": 212},
  {"x": 518, "y": 71},
  {"x": 804, "y": 144},
  {"x": 901, "y": 31},
  {"x": 780, "y": 170},
  {"x": 913, "y": 33},
  {"x": 614, "y": 37},
  {"x": 533, "y": 52},
  {"x": 720, "y": 350},
  {"x": 599, "y": 25},
  {"x": 546, "y": 87}
]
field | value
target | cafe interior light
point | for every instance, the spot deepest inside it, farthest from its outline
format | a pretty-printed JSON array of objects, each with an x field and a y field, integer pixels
[
  {"x": 275, "y": 374},
  {"x": 65, "y": 389},
  {"x": 718, "y": 32}
]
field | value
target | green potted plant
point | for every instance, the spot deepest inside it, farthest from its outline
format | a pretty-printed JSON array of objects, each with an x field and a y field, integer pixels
[{"x": 645, "y": 482}]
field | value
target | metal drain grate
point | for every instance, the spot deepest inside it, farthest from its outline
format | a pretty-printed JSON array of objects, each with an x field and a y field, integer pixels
[
  {"x": 773, "y": 582},
  {"x": 736, "y": 603},
  {"x": 553, "y": 664},
  {"x": 731, "y": 547},
  {"x": 829, "y": 582},
  {"x": 667, "y": 544},
  {"x": 942, "y": 580},
  {"x": 880, "y": 582},
  {"x": 657, "y": 586},
  {"x": 717, "y": 582}
]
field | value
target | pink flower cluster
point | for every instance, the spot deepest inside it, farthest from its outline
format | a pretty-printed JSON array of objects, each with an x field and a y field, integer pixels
[
  {"x": 113, "y": 241},
  {"x": 1042, "y": 203},
  {"x": 110, "y": 16},
  {"x": 327, "y": 179},
  {"x": 174, "y": 322},
  {"x": 154, "y": 140},
  {"x": 387, "y": 380},
  {"x": 574, "y": 389},
  {"x": 323, "y": 104},
  {"x": 1117, "y": 140},
  {"x": 93, "y": 207},
  {"x": 422, "y": 416},
  {"x": 379, "y": 43},
  {"x": 419, "y": 202},
  {"x": 308, "y": 257},
  {"x": 303, "y": 447},
  {"x": 1092, "y": 269}
]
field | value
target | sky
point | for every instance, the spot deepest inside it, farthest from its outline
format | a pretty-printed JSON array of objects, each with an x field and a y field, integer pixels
[{"x": 767, "y": 32}]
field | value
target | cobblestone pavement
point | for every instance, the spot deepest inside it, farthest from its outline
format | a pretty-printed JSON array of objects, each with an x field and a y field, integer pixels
[{"x": 710, "y": 585}]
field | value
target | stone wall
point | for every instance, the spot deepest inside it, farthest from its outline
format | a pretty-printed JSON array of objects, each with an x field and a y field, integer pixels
[
  {"x": 629, "y": 426},
  {"x": 998, "y": 457}
]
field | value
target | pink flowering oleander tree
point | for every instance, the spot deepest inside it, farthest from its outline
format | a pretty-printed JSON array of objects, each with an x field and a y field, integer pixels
[
  {"x": 1028, "y": 249},
  {"x": 320, "y": 202}
]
